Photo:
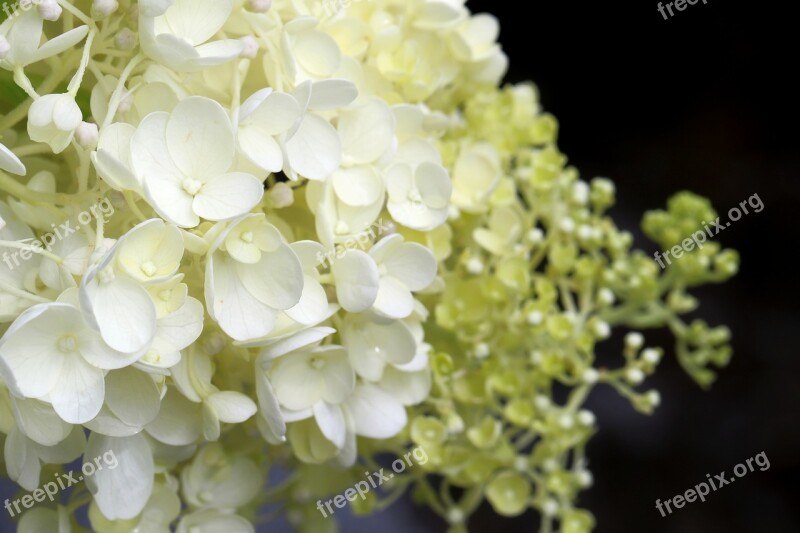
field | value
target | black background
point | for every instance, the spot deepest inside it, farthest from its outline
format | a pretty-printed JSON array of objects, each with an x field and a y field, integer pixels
[{"x": 704, "y": 101}]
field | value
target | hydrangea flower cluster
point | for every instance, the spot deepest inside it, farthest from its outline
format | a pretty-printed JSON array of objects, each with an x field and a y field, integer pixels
[{"x": 245, "y": 236}]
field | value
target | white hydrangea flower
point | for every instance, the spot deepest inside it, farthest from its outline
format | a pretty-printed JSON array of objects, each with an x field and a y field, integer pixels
[
  {"x": 184, "y": 159},
  {"x": 24, "y": 457},
  {"x": 175, "y": 33},
  {"x": 244, "y": 297},
  {"x": 419, "y": 196},
  {"x": 476, "y": 175},
  {"x": 215, "y": 480},
  {"x": 24, "y": 35},
  {"x": 50, "y": 352},
  {"x": 373, "y": 343},
  {"x": 404, "y": 268},
  {"x": 53, "y": 119}
]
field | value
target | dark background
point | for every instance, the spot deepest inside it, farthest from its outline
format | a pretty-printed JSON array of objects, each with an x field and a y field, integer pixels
[{"x": 706, "y": 101}]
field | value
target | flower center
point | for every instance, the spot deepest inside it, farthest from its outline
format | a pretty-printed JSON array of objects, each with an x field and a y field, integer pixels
[
  {"x": 316, "y": 363},
  {"x": 149, "y": 268},
  {"x": 191, "y": 186},
  {"x": 106, "y": 275},
  {"x": 165, "y": 295},
  {"x": 67, "y": 344},
  {"x": 414, "y": 195},
  {"x": 247, "y": 237}
]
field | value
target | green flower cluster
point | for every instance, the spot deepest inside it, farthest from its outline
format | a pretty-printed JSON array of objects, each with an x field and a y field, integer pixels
[{"x": 537, "y": 276}]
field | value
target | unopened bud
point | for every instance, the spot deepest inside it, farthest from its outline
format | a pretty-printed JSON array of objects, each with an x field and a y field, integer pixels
[
  {"x": 49, "y": 10},
  {"x": 259, "y": 6},
  {"x": 105, "y": 7},
  {"x": 86, "y": 135}
]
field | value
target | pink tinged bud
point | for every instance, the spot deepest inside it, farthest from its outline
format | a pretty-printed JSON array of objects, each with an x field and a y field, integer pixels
[
  {"x": 250, "y": 49},
  {"x": 105, "y": 7},
  {"x": 259, "y": 6},
  {"x": 49, "y": 9},
  {"x": 125, "y": 39},
  {"x": 280, "y": 196},
  {"x": 87, "y": 134}
]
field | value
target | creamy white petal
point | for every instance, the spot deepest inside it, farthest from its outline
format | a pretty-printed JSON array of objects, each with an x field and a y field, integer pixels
[
  {"x": 375, "y": 413},
  {"x": 200, "y": 138},
  {"x": 357, "y": 281},
  {"x": 122, "y": 492},
  {"x": 228, "y": 196},
  {"x": 78, "y": 395}
]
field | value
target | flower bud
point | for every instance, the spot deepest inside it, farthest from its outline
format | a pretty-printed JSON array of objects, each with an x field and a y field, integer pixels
[
  {"x": 125, "y": 39},
  {"x": 280, "y": 196},
  {"x": 53, "y": 119},
  {"x": 259, "y": 6},
  {"x": 250, "y": 49},
  {"x": 105, "y": 7},
  {"x": 49, "y": 9},
  {"x": 86, "y": 135}
]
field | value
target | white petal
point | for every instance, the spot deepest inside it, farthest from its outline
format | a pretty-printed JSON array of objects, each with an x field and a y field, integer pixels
[
  {"x": 413, "y": 264},
  {"x": 197, "y": 20},
  {"x": 261, "y": 148},
  {"x": 376, "y": 414},
  {"x": 394, "y": 299},
  {"x": 10, "y": 162},
  {"x": 366, "y": 132},
  {"x": 78, "y": 395},
  {"x": 228, "y": 196},
  {"x": 125, "y": 314},
  {"x": 121, "y": 492},
  {"x": 358, "y": 186},
  {"x": 357, "y": 281},
  {"x": 294, "y": 342},
  {"x": 200, "y": 138},
  {"x": 331, "y": 94},
  {"x": 178, "y": 421},
  {"x": 330, "y": 420},
  {"x": 232, "y": 407},
  {"x": 276, "y": 114},
  {"x": 313, "y": 304},
  {"x": 269, "y": 408},
  {"x": 314, "y": 151},
  {"x": 58, "y": 44},
  {"x": 238, "y": 312},
  {"x": 29, "y": 358},
  {"x": 276, "y": 280},
  {"x": 22, "y": 464},
  {"x": 132, "y": 396},
  {"x": 318, "y": 53},
  {"x": 39, "y": 422},
  {"x": 296, "y": 385}
]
